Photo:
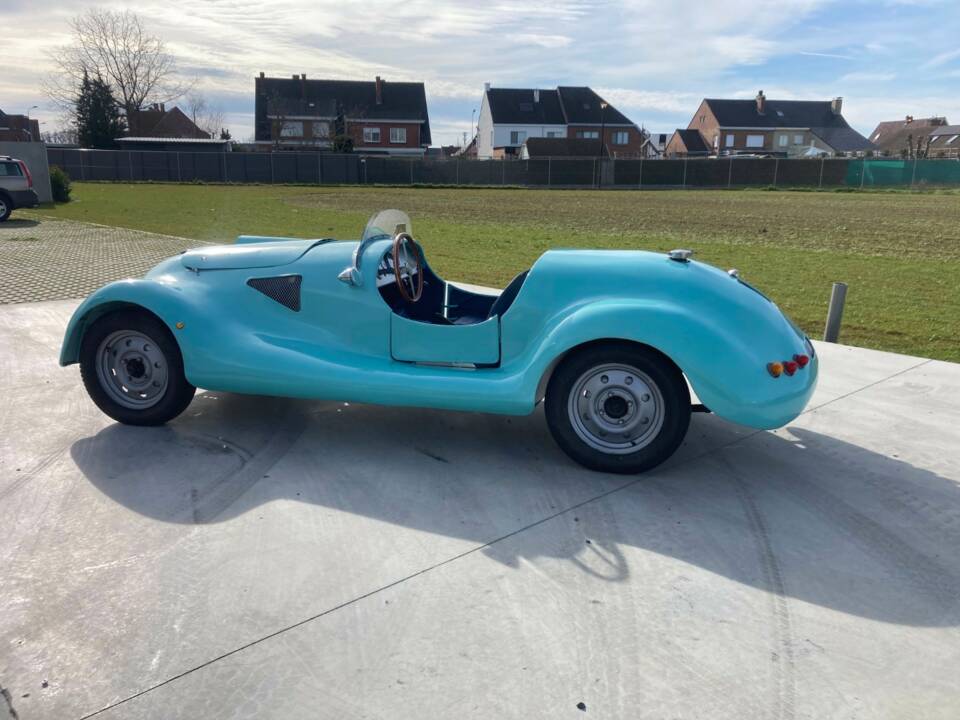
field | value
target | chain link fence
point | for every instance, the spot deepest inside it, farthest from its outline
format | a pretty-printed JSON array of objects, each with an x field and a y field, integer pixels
[{"x": 340, "y": 169}]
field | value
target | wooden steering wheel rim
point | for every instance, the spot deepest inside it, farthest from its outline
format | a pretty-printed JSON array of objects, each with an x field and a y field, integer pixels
[{"x": 413, "y": 293}]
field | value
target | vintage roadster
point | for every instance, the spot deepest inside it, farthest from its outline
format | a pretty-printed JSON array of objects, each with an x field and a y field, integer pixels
[{"x": 608, "y": 339}]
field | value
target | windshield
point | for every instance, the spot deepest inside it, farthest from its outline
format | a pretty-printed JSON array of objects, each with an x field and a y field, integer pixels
[{"x": 386, "y": 224}]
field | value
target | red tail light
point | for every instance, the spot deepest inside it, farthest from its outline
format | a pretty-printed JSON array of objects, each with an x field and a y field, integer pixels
[
  {"x": 801, "y": 360},
  {"x": 790, "y": 367},
  {"x": 26, "y": 171}
]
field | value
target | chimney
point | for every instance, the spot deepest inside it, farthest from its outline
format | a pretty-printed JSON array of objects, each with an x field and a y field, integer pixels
[
  {"x": 303, "y": 85},
  {"x": 836, "y": 105},
  {"x": 303, "y": 76},
  {"x": 163, "y": 107},
  {"x": 761, "y": 102},
  {"x": 261, "y": 75},
  {"x": 909, "y": 119},
  {"x": 295, "y": 77},
  {"x": 379, "y": 91},
  {"x": 486, "y": 87},
  {"x": 536, "y": 96}
]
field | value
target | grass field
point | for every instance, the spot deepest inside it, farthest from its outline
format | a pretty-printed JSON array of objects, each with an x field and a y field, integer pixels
[{"x": 899, "y": 252}]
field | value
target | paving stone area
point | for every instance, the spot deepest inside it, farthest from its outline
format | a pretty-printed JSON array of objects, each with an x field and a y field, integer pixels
[{"x": 44, "y": 259}]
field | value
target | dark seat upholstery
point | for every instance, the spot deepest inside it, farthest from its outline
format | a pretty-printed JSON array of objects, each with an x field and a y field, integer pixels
[{"x": 509, "y": 294}]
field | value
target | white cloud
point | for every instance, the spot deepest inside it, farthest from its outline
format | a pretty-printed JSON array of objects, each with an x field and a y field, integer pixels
[
  {"x": 869, "y": 77},
  {"x": 941, "y": 59}
]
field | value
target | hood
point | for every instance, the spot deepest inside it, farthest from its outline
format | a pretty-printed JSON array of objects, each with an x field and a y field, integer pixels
[{"x": 250, "y": 255}]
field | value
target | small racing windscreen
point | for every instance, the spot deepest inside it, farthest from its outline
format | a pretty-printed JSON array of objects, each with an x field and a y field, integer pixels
[{"x": 386, "y": 224}]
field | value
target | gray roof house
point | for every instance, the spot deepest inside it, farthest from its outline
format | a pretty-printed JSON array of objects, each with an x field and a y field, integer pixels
[{"x": 776, "y": 127}]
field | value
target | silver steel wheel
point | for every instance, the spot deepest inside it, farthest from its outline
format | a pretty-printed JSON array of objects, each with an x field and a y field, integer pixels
[
  {"x": 616, "y": 408},
  {"x": 132, "y": 369},
  {"x": 3, "y": 207}
]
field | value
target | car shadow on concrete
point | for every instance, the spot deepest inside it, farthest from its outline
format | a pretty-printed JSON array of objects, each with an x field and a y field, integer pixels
[
  {"x": 18, "y": 223},
  {"x": 800, "y": 514}
]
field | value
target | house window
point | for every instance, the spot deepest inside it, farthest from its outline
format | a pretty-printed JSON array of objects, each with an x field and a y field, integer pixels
[
  {"x": 621, "y": 137},
  {"x": 291, "y": 129},
  {"x": 517, "y": 137},
  {"x": 371, "y": 135},
  {"x": 398, "y": 135},
  {"x": 954, "y": 137},
  {"x": 754, "y": 141},
  {"x": 730, "y": 141},
  {"x": 798, "y": 139},
  {"x": 553, "y": 133},
  {"x": 321, "y": 129},
  {"x": 783, "y": 140},
  {"x": 588, "y": 134}
]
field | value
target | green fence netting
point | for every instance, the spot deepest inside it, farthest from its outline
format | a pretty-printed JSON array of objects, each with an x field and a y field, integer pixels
[{"x": 900, "y": 173}]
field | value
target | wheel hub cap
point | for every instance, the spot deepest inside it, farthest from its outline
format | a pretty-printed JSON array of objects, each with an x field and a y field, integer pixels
[
  {"x": 616, "y": 408},
  {"x": 132, "y": 369}
]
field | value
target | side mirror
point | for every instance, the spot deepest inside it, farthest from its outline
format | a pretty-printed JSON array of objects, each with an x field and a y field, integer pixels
[{"x": 350, "y": 275}]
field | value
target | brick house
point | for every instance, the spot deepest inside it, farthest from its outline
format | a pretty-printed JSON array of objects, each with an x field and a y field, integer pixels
[
  {"x": 509, "y": 116},
  {"x": 18, "y": 128},
  {"x": 158, "y": 122},
  {"x": 944, "y": 142},
  {"x": 686, "y": 143},
  {"x": 783, "y": 128},
  {"x": 380, "y": 117},
  {"x": 896, "y": 138}
]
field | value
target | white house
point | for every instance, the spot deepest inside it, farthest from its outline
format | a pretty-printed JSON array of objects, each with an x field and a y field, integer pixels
[{"x": 509, "y": 116}]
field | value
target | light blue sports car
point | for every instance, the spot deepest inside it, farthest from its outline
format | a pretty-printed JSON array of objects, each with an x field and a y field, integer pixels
[{"x": 611, "y": 340}]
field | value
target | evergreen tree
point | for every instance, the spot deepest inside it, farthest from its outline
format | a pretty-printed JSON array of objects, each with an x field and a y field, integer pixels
[{"x": 97, "y": 115}]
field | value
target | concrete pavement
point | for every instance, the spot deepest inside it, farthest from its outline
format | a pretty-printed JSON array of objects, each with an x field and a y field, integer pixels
[{"x": 285, "y": 559}]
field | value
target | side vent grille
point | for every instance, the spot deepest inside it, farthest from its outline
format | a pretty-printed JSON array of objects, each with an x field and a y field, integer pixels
[{"x": 284, "y": 289}]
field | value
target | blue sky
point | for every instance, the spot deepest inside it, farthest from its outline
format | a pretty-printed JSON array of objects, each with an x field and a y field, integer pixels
[{"x": 653, "y": 60}]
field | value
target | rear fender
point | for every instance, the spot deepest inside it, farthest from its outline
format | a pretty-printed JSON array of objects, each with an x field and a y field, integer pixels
[{"x": 725, "y": 364}]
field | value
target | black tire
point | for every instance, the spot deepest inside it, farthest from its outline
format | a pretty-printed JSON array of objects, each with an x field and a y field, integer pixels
[
  {"x": 6, "y": 207},
  {"x": 177, "y": 394},
  {"x": 672, "y": 407}
]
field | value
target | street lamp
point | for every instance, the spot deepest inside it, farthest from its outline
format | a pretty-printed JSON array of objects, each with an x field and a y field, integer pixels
[{"x": 472, "y": 113}]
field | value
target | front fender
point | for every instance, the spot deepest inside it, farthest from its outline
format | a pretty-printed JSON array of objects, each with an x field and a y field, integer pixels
[
  {"x": 724, "y": 358},
  {"x": 166, "y": 301}
]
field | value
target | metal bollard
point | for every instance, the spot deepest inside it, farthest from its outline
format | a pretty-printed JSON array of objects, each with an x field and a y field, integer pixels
[{"x": 831, "y": 333}]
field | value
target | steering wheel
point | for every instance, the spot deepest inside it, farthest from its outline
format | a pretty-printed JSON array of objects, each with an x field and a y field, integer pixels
[{"x": 407, "y": 267}]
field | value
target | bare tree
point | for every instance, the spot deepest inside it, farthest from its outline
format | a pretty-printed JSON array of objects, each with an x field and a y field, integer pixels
[
  {"x": 115, "y": 46},
  {"x": 204, "y": 115}
]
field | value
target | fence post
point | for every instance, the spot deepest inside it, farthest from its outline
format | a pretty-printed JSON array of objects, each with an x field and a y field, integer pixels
[
  {"x": 224, "y": 168},
  {"x": 272, "y": 172},
  {"x": 549, "y": 171},
  {"x": 83, "y": 170},
  {"x": 458, "y": 171},
  {"x": 411, "y": 171},
  {"x": 831, "y": 333},
  {"x": 503, "y": 172},
  {"x": 822, "y": 161},
  {"x": 776, "y": 168},
  {"x": 913, "y": 175},
  {"x": 179, "y": 169},
  {"x": 685, "y": 173},
  {"x": 863, "y": 171},
  {"x": 130, "y": 163},
  {"x": 319, "y": 168},
  {"x": 640, "y": 179},
  {"x": 730, "y": 171}
]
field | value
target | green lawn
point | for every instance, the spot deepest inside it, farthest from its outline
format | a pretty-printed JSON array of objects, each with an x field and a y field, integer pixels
[{"x": 899, "y": 252}]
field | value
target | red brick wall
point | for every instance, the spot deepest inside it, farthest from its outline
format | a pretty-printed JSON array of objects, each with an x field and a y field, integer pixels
[
  {"x": 355, "y": 131},
  {"x": 632, "y": 148}
]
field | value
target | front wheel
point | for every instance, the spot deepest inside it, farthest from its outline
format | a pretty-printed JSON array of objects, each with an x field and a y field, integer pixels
[
  {"x": 618, "y": 407},
  {"x": 132, "y": 368}
]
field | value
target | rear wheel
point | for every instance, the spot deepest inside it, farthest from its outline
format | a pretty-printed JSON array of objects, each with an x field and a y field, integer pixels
[
  {"x": 6, "y": 207},
  {"x": 132, "y": 369},
  {"x": 618, "y": 407}
]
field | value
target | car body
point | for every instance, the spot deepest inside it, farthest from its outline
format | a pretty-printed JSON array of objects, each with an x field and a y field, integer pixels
[
  {"x": 16, "y": 186},
  {"x": 316, "y": 319}
]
